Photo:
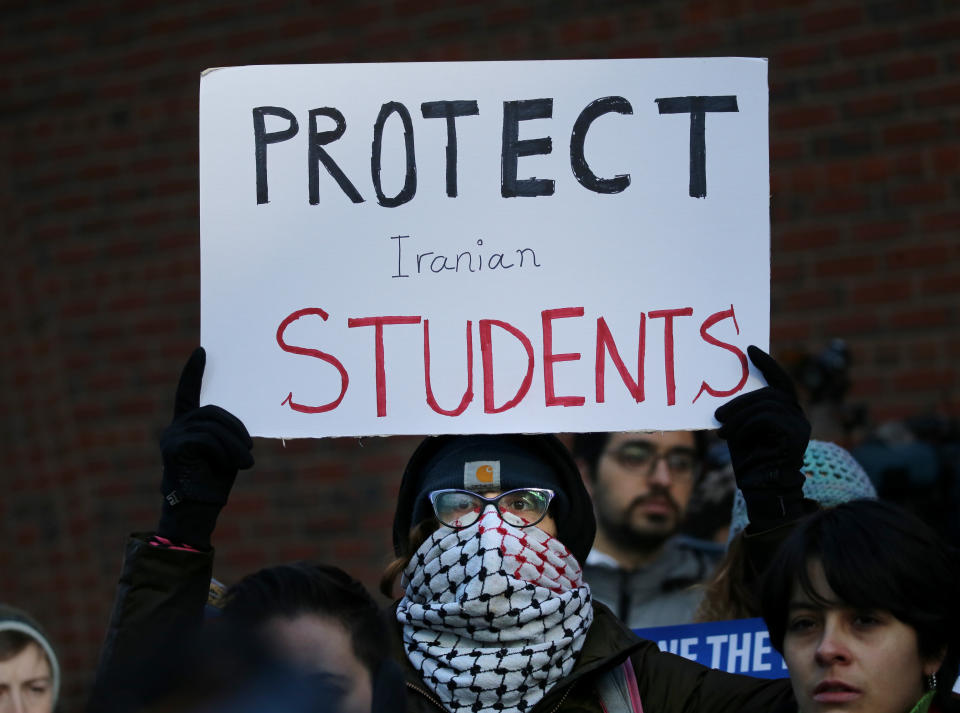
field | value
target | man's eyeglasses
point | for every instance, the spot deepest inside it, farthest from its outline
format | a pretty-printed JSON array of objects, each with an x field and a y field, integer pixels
[
  {"x": 522, "y": 507},
  {"x": 642, "y": 457}
]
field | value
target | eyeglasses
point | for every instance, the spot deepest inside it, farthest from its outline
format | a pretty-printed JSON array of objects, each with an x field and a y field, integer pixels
[
  {"x": 642, "y": 457},
  {"x": 522, "y": 507}
]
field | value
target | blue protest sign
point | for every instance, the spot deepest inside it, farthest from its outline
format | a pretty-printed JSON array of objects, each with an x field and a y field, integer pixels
[{"x": 737, "y": 646}]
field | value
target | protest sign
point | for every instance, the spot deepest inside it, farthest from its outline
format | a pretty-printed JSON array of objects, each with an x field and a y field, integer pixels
[
  {"x": 483, "y": 247},
  {"x": 735, "y": 646}
]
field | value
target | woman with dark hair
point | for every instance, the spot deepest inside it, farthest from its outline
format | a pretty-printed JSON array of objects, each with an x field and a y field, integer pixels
[
  {"x": 862, "y": 601},
  {"x": 318, "y": 618}
]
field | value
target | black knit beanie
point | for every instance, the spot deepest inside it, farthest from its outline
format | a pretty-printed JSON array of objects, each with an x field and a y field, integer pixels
[{"x": 496, "y": 463}]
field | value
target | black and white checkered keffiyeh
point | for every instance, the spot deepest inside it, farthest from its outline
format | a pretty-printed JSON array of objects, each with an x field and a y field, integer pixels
[{"x": 493, "y": 615}]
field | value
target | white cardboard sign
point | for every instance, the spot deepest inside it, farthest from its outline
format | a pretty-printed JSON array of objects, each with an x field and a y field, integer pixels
[{"x": 483, "y": 247}]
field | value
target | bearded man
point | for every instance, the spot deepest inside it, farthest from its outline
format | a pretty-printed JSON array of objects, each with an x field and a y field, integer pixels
[{"x": 641, "y": 484}]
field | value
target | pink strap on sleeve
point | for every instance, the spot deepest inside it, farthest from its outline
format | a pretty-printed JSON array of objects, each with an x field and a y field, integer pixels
[
  {"x": 157, "y": 541},
  {"x": 634, "y": 691}
]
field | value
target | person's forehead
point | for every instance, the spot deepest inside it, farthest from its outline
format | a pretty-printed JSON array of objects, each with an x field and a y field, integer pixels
[
  {"x": 822, "y": 590},
  {"x": 30, "y": 663},
  {"x": 664, "y": 440},
  {"x": 313, "y": 637}
]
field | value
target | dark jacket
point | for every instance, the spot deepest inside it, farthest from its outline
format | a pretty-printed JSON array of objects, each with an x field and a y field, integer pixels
[
  {"x": 152, "y": 647},
  {"x": 667, "y": 683},
  {"x": 159, "y": 609}
]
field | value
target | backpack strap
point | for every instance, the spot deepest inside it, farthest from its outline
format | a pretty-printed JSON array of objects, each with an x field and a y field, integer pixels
[{"x": 618, "y": 690}]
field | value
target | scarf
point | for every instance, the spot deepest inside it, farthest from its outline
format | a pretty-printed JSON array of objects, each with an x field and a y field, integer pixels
[
  {"x": 923, "y": 705},
  {"x": 493, "y": 615}
]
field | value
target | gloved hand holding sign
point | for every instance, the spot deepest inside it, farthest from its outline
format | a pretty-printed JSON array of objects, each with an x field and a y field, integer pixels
[
  {"x": 202, "y": 448},
  {"x": 767, "y": 433}
]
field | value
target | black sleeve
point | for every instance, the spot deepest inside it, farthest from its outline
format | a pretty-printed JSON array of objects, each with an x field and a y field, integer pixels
[
  {"x": 672, "y": 684},
  {"x": 157, "y": 612},
  {"x": 760, "y": 546}
]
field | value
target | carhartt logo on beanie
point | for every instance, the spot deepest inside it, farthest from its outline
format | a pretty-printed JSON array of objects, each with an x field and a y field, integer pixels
[{"x": 481, "y": 475}]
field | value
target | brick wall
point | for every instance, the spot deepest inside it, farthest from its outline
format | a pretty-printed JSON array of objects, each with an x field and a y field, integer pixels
[{"x": 101, "y": 276}]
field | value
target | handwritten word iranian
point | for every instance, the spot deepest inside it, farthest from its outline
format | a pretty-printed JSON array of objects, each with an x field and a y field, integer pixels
[{"x": 463, "y": 261}]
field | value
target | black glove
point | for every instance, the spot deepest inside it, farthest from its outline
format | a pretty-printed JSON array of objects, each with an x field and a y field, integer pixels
[
  {"x": 767, "y": 433},
  {"x": 202, "y": 448}
]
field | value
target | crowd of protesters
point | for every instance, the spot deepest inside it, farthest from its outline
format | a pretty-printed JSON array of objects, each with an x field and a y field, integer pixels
[{"x": 520, "y": 570}]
